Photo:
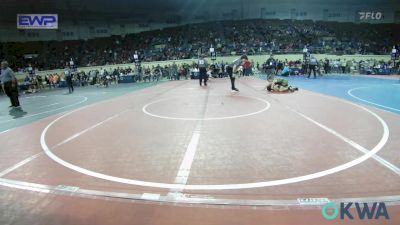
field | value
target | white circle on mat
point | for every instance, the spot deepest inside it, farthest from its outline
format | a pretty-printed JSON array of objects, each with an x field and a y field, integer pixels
[{"x": 265, "y": 108}]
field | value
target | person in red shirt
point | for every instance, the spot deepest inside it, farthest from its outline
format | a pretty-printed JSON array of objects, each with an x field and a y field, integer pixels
[{"x": 246, "y": 67}]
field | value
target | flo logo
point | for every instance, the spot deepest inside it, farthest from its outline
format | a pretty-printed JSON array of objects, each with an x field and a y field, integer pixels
[
  {"x": 370, "y": 15},
  {"x": 363, "y": 210}
]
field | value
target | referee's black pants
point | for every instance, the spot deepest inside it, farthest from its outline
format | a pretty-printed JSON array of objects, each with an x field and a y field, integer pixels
[
  {"x": 203, "y": 76},
  {"x": 229, "y": 70},
  {"x": 12, "y": 93},
  {"x": 312, "y": 68},
  {"x": 69, "y": 84}
]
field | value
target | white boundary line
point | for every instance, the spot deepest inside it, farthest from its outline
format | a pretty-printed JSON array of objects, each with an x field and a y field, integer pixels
[
  {"x": 93, "y": 126},
  {"x": 323, "y": 173},
  {"x": 381, "y": 160},
  {"x": 198, "y": 199},
  {"x": 141, "y": 90},
  {"x": 49, "y": 111},
  {"x": 56, "y": 103},
  {"x": 350, "y": 142},
  {"x": 24, "y": 186},
  {"x": 349, "y": 92},
  {"x": 31, "y": 158},
  {"x": 37, "y": 96},
  {"x": 267, "y": 106},
  {"x": 18, "y": 165},
  {"x": 88, "y": 129},
  {"x": 5, "y": 131},
  {"x": 184, "y": 169}
]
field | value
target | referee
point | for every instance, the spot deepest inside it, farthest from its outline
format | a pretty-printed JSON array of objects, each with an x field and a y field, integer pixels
[
  {"x": 68, "y": 78},
  {"x": 270, "y": 68},
  {"x": 10, "y": 85},
  {"x": 312, "y": 66},
  {"x": 202, "y": 64}
]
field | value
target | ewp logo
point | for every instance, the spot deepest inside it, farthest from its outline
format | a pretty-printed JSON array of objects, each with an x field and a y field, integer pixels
[
  {"x": 37, "y": 21},
  {"x": 330, "y": 211}
]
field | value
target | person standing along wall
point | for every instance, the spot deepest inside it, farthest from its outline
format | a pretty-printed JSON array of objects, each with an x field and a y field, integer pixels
[
  {"x": 10, "y": 84},
  {"x": 68, "y": 79}
]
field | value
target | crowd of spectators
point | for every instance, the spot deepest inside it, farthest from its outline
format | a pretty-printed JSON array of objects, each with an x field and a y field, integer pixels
[
  {"x": 227, "y": 37},
  {"x": 102, "y": 77},
  {"x": 335, "y": 66}
]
